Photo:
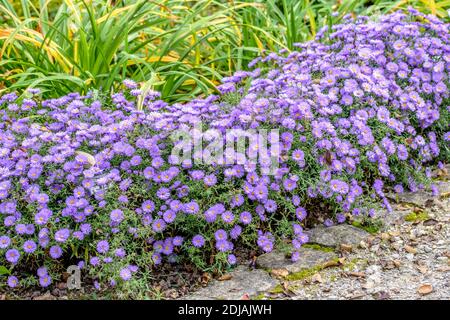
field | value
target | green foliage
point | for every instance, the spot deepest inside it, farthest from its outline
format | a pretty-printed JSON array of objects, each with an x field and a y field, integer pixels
[
  {"x": 180, "y": 48},
  {"x": 82, "y": 45},
  {"x": 4, "y": 271}
]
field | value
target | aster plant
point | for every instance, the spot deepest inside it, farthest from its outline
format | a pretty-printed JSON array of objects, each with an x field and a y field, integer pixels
[{"x": 91, "y": 179}]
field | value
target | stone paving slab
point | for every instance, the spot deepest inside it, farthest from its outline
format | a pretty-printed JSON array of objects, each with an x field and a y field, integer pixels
[
  {"x": 421, "y": 198},
  {"x": 336, "y": 235},
  {"x": 309, "y": 258},
  {"x": 243, "y": 282}
]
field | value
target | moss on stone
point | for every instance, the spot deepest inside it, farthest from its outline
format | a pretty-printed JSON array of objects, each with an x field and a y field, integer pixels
[
  {"x": 413, "y": 216},
  {"x": 351, "y": 265},
  {"x": 318, "y": 247},
  {"x": 371, "y": 227},
  {"x": 278, "y": 289},
  {"x": 305, "y": 273}
]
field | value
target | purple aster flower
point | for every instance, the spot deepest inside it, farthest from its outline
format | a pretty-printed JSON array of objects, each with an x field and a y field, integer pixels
[
  {"x": 42, "y": 271},
  {"x": 270, "y": 206},
  {"x": 295, "y": 200},
  {"x": 29, "y": 229},
  {"x": 210, "y": 180},
  {"x": 176, "y": 205},
  {"x": 177, "y": 241},
  {"x": 21, "y": 228},
  {"x": 94, "y": 261},
  {"x": 45, "y": 281},
  {"x": 289, "y": 184},
  {"x": 303, "y": 238},
  {"x": 198, "y": 241},
  {"x": 434, "y": 190},
  {"x": 159, "y": 225},
  {"x": 260, "y": 191},
  {"x": 42, "y": 216},
  {"x": 116, "y": 216},
  {"x": 398, "y": 188},
  {"x": 156, "y": 258},
  {"x": 125, "y": 274},
  {"x": 235, "y": 232},
  {"x": 300, "y": 213},
  {"x": 237, "y": 200},
  {"x": 220, "y": 235},
  {"x": 212, "y": 212},
  {"x": 328, "y": 222},
  {"x": 42, "y": 198},
  {"x": 13, "y": 281},
  {"x": 265, "y": 244},
  {"x": 295, "y": 256},
  {"x": 123, "y": 199},
  {"x": 191, "y": 207},
  {"x": 245, "y": 217},
  {"x": 297, "y": 229},
  {"x": 163, "y": 193},
  {"x": 120, "y": 253},
  {"x": 222, "y": 245},
  {"x": 86, "y": 228},
  {"x": 12, "y": 256},
  {"x": 339, "y": 186},
  {"x": 167, "y": 248},
  {"x": 231, "y": 259},
  {"x": 158, "y": 246},
  {"x": 56, "y": 252},
  {"x": 197, "y": 174},
  {"x": 149, "y": 172},
  {"x": 226, "y": 87},
  {"x": 228, "y": 217},
  {"x": 102, "y": 246},
  {"x": 169, "y": 216},
  {"x": 62, "y": 235},
  {"x": 130, "y": 84},
  {"x": 298, "y": 155},
  {"x": 5, "y": 241},
  {"x": 296, "y": 244},
  {"x": 325, "y": 175},
  {"x": 29, "y": 246},
  {"x": 340, "y": 218}
]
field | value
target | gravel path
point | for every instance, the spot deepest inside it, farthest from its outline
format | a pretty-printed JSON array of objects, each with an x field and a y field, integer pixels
[{"x": 409, "y": 260}]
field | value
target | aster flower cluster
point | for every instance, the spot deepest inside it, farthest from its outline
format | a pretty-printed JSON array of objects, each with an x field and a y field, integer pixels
[{"x": 95, "y": 180}]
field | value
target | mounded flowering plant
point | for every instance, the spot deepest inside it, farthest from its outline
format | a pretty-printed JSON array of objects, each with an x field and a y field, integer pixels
[{"x": 91, "y": 180}]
